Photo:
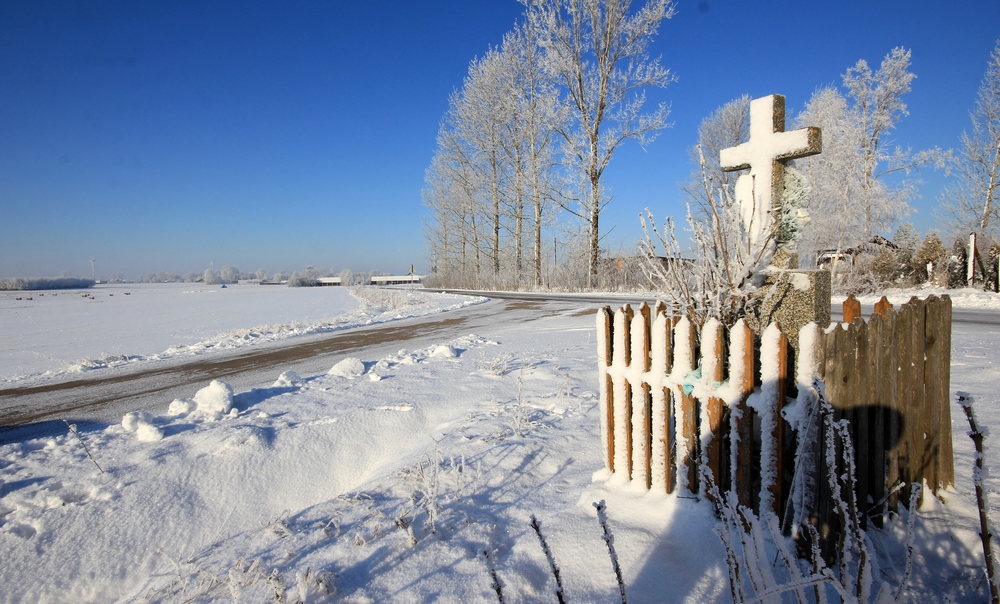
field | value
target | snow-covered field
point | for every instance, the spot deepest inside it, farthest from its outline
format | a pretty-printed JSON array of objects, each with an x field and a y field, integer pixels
[
  {"x": 388, "y": 478},
  {"x": 53, "y": 334}
]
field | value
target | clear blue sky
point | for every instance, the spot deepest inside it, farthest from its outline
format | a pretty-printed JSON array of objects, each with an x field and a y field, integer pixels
[{"x": 160, "y": 136}]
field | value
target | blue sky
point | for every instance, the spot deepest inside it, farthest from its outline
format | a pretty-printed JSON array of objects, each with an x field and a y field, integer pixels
[{"x": 161, "y": 136}]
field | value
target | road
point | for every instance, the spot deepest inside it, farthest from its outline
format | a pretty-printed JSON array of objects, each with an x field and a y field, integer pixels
[
  {"x": 105, "y": 397},
  {"x": 32, "y": 410}
]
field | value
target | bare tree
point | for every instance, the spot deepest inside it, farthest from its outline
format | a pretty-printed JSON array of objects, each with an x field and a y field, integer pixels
[
  {"x": 597, "y": 51},
  {"x": 971, "y": 202}
]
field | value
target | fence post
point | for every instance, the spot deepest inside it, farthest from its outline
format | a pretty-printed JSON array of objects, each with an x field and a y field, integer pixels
[
  {"x": 852, "y": 309},
  {"x": 772, "y": 442},
  {"x": 641, "y": 400},
  {"x": 711, "y": 367},
  {"x": 741, "y": 353},
  {"x": 661, "y": 466},
  {"x": 882, "y": 306},
  {"x": 604, "y": 349},
  {"x": 878, "y": 409},
  {"x": 622, "y": 358},
  {"x": 684, "y": 341},
  {"x": 937, "y": 378}
]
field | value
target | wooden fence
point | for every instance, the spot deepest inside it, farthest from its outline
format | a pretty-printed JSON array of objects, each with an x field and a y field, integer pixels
[{"x": 676, "y": 402}]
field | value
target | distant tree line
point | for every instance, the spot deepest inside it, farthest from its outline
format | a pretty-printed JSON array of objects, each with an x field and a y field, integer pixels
[{"x": 18, "y": 284}]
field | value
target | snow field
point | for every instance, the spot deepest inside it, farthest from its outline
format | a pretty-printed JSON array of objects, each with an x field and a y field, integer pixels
[
  {"x": 62, "y": 333},
  {"x": 386, "y": 490},
  {"x": 341, "y": 487}
]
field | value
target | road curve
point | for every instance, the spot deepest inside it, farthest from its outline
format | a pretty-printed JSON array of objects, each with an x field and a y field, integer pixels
[{"x": 150, "y": 387}]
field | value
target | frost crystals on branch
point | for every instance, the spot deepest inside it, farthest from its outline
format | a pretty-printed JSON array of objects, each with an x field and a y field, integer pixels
[
  {"x": 597, "y": 50},
  {"x": 978, "y": 436},
  {"x": 715, "y": 281}
]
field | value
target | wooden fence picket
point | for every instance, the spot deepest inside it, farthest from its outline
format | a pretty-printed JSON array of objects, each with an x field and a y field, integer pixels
[
  {"x": 712, "y": 369},
  {"x": 743, "y": 473}
]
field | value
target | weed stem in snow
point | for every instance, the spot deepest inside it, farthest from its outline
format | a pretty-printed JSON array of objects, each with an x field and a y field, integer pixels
[
  {"x": 978, "y": 435},
  {"x": 495, "y": 580},
  {"x": 609, "y": 539},
  {"x": 72, "y": 428},
  {"x": 552, "y": 561}
]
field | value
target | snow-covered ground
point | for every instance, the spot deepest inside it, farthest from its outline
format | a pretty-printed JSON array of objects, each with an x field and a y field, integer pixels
[
  {"x": 53, "y": 334},
  {"x": 388, "y": 478}
]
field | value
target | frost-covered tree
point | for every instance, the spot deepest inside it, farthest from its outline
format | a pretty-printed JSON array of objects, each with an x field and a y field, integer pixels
[
  {"x": 929, "y": 261},
  {"x": 210, "y": 277},
  {"x": 527, "y": 138},
  {"x": 972, "y": 201},
  {"x": 860, "y": 184},
  {"x": 492, "y": 177},
  {"x": 229, "y": 274},
  {"x": 261, "y": 275},
  {"x": 346, "y": 277},
  {"x": 597, "y": 51},
  {"x": 727, "y": 126}
]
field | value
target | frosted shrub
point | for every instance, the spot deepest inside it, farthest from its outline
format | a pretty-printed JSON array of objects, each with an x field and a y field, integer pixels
[
  {"x": 387, "y": 299},
  {"x": 717, "y": 281},
  {"x": 497, "y": 365},
  {"x": 762, "y": 565}
]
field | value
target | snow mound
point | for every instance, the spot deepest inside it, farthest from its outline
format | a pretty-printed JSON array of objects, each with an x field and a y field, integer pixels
[
  {"x": 181, "y": 406},
  {"x": 215, "y": 400},
  {"x": 148, "y": 433},
  {"x": 351, "y": 367},
  {"x": 141, "y": 424},
  {"x": 288, "y": 379},
  {"x": 132, "y": 420},
  {"x": 443, "y": 351}
]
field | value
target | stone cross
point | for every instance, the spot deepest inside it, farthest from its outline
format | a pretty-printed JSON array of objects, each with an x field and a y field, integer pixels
[{"x": 759, "y": 192}]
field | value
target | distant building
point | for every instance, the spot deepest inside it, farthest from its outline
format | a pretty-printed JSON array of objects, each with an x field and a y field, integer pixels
[
  {"x": 328, "y": 281},
  {"x": 396, "y": 280},
  {"x": 875, "y": 246}
]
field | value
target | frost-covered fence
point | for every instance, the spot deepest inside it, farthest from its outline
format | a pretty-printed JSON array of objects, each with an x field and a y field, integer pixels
[{"x": 676, "y": 403}]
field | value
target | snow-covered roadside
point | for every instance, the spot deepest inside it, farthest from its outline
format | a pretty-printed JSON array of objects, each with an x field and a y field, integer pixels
[
  {"x": 112, "y": 326},
  {"x": 387, "y": 479},
  {"x": 966, "y": 298}
]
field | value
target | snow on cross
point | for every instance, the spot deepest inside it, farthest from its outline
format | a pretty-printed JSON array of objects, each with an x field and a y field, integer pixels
[{"x": 763, "y": 154}]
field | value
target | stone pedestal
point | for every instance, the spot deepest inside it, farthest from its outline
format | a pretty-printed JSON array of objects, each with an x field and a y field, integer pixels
[{"x": 792, "y": 297}]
